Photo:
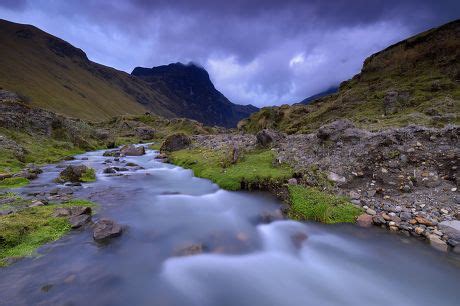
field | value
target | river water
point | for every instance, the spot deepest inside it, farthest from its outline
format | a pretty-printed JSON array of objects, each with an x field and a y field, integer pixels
[{"x": 165, "y": 208}]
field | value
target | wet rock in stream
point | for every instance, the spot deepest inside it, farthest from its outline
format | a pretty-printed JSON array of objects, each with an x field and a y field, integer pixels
[{"x": 106, "y": 229}]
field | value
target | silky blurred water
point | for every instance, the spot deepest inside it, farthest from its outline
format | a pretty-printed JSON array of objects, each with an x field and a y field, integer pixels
[{"x": 245, "y": 262}]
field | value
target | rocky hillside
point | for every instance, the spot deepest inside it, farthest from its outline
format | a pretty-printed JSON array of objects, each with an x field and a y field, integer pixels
[
  {"x": 33, "y": 135},
  {"x": 414, "y": 81},
  {"x": 193, "y": 95}
]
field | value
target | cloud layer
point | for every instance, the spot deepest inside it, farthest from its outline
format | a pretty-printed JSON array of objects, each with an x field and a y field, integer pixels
[{"x": 260, "y": 52}]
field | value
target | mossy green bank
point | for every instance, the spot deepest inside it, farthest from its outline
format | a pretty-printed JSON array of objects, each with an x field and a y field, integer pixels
[{"x": 28, "y": 228}]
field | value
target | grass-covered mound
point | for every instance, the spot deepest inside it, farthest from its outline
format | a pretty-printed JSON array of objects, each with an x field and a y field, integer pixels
[
  {"x": 13, "y": 182},
  {"x": 311, "y": 204},
  {"x": 251, "y": 168},
  {"x": 23, "y": 231}
]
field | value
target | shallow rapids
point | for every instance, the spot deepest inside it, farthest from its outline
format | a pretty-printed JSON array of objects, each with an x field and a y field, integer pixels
[{"x": 244, "y": 262}]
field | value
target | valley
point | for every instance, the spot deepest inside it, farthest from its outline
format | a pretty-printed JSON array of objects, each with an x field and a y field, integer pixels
[{"x": 155, "y": 184}]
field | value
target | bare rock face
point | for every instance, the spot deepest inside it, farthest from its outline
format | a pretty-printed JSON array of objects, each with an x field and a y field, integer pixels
[
  {"x": 175, "y": 142},
  {"x": 267, "y": 138},
  {"x": 392, "y": 100},
  {"x": 106, "y": 229},
  {"x": 132, "y": 150}
]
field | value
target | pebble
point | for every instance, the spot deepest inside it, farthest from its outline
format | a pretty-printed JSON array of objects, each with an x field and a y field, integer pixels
[
  {"x": 419, "y": 230},
  {"x": 370, "y": 211},
  {"x": 437, "y": 243}
]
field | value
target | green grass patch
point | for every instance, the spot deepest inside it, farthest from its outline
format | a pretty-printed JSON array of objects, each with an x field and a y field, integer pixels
[
  {"x": 13, "y": 182},
  {"x": 252, "y": 167},
  {"x": 22, "y": 232},
  {"x": 156, "y": 145},
  {"x": 311, "y": 204},
  {"x": 89, "y": 176}
]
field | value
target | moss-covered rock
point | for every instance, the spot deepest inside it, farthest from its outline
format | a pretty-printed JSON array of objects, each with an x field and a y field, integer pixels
[
  {"x": 175, "y": 142},
  {"x": 77, "y": 173}
]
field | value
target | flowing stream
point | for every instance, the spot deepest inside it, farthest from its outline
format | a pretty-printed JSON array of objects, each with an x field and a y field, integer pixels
[{"x": 284, "y": 263}]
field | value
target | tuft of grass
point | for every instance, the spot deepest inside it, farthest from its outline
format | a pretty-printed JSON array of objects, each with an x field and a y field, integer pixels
[
  {"x": 13, "y": 182},
  {"x": 22, "y": 232},
  {"x": 156, "y": 145},
  {"x": 253, "y": 167},
  {"x": 89, "y": 176},
  {"x": 311, "y": 204}
]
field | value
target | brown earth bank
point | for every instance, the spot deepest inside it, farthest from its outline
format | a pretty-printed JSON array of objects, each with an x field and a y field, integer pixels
[{"x": 405, "y": 179}]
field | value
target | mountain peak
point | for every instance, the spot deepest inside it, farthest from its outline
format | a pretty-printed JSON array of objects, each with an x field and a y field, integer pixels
[{"x": 190, "y": 87}]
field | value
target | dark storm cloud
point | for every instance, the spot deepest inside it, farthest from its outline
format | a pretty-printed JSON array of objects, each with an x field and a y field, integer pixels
[{"x": 260, "y": 52}]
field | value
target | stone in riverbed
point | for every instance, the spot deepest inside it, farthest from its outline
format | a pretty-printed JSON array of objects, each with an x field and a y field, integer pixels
[
  {"x": 364, "y": 220},
  {"x": 378, "y": 220},
  {"x": 193, "y": 249},
  {"x": 132, "y": 150},
  {"x": 109, "y": 170},
  {"x": 451, "y": 229},
  {"x": 72, "y": 173},
  {"x": 270, "y": 216},
  {"x": 371, "y": 212},
  {"x": 79, "y": 220},
  {"x": 424, "y": 221},
  {"x": 437, "y": 243},
  {"x": 106, "y": 229}
]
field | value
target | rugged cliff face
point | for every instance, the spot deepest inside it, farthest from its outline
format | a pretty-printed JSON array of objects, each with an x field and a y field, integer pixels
[
  {"x": 414, "y": 81},
  {"x": 192, "y": 94}
]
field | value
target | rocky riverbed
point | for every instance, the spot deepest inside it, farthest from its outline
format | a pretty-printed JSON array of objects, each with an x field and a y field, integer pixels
[
  {"x": 405, "y": 179},
  {"x": 187, "y": 242}
]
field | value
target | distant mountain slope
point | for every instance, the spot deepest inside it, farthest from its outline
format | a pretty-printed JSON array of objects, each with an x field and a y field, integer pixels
[
  {"x": 416, "y": 81},
  {"x": 53, "y": 74},
  {"x": 50, "y": 73},
  {"x": 327, "y": 92},
  {"x": 192, "y": 94}
]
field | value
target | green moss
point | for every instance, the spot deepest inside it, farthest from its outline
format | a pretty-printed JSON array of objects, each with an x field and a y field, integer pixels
[
  {"x": 312, "y": 204},
  {"x": 89, "y": 176},
  {"x": 13, "y": 182},
  {"x": 156, "y": 145},
  {"x": 252, "y": 168},
  {"x": 22, "y": 232}
]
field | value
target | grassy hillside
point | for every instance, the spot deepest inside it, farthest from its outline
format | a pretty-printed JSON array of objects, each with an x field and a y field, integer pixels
[
  {"x": 50, "y": 73},
  {"x": 413, "y": 81}
]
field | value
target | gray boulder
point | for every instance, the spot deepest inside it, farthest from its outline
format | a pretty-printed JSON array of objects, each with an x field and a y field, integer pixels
[
  {"x": 132, "y": 150},
  {"x": 175, "y": 142},
  {"x": 72, "y": 173},
  {"x": 266, "y": 138},
  {"x": 451, "y": 229},
  {"x": 106, "y": 229},
  {"x": 334, "y": 130}
]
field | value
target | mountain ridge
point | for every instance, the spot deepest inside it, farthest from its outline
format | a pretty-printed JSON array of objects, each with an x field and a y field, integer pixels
[
  {"x": 50, "y": 73},
  {"x": 415, "y": 81},
  {"x": 190, "y": 85}
]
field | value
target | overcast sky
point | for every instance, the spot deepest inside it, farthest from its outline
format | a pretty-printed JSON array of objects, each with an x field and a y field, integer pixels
[{"x": 259, "y": 52}]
